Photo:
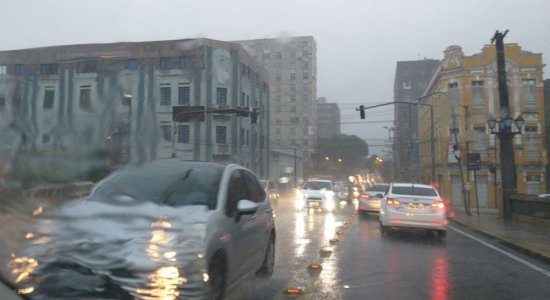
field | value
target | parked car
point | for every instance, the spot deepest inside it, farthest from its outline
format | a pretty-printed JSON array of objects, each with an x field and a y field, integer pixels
[
  {"x": 369, "y": 200},
  {"x": 317, "y": 193},
  {"x": 192, "y": 229},
  {"x": 412, "y": 205},
  {"x": 271, "y": 189}
]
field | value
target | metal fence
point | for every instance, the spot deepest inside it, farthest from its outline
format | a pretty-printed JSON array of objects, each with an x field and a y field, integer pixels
[{"x": 532, "y": 206}]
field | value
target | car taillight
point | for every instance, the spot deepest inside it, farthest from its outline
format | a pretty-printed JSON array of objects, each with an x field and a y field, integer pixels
[
  {"x": 393, "y": 201},
  {"x": 438, "y": 204},
  {"x": 365, "y": 196}
]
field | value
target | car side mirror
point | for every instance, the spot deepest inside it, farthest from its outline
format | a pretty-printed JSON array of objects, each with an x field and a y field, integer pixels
[{"x": 246, "y": 206}]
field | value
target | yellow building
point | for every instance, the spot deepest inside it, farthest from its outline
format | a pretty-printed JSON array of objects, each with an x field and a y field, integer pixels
[{"x": 464, "y": 92}]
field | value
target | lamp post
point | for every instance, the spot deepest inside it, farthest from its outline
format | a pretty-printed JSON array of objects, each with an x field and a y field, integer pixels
[{"x": 503, "y": 130}]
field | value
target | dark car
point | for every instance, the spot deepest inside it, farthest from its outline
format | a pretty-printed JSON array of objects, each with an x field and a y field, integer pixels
[{"x": 190, "y": 229}]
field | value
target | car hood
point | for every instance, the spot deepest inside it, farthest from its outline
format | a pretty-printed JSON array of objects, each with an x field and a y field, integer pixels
[
  {"x": 314, "y": 193},
  {"x": 100, "y": 250}
]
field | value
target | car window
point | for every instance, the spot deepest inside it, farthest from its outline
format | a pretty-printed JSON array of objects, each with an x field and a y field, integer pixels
[
  {"x": 236, "y": 191},
  {"x": 317, "y": 185},
  {"x": 255, "y": 192},
  {"x": 196, "y": 187},
  {"x": 378, "y": 188},
  {"x": 414, "y": 190}
]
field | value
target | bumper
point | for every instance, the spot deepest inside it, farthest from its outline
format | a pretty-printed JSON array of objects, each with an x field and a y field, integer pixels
[
  {"x": 436, "y": 221},
  {"x": 373, "y": 206}
]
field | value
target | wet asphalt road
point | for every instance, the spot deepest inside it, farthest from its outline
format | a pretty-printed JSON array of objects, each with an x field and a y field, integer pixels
[{"x": 408, "y": 264}]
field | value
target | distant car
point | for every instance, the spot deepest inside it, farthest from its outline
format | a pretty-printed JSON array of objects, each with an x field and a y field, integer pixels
[
  {"x": 412, "y": 205},
  {"x": 201, "y": 226},
  {"x": 271, "y": 189},
  {"x": 369, "y": 200},
  {"x": 544, "y": 196},
  {"x": 317, "y": 193}
]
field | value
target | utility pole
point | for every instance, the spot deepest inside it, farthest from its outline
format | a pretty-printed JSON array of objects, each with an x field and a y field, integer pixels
[
  {"x": 507, "y": 160},
  {"x": 432, "y": 140}
]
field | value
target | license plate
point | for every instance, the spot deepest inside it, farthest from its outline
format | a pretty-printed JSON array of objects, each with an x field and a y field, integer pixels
[{"x": 416, "y": 206}]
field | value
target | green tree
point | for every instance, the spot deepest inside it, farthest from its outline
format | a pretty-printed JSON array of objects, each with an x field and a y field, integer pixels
[{"x": 340, "y": 155}]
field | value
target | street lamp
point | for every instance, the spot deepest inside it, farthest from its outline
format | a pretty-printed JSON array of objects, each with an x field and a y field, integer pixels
[{"x": 504, "y": 126}]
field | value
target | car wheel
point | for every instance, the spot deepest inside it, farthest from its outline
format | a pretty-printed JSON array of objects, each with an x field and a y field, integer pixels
[
  {"x": 216, "y": 273},
  {"x": 441, "y": 234},
  {"x": 266, "y": 270}
]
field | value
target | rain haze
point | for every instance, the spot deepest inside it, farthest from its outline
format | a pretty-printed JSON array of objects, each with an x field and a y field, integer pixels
[{"x": 358, "y": 42}]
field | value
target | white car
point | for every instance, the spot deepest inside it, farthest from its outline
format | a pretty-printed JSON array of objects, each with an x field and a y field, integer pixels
[
  {"x": 413, "y": 205},
  {"x": 316, "y": 193},
  {"x": 193, "y": 229},
  {"x": 370, "y": 199}
]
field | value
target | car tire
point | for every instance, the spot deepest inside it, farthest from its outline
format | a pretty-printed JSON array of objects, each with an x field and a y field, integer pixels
[
  {"x": 216, "y": 274},
  {"x": 441, "y": 234},
  {"x": 268, "y": 265}
]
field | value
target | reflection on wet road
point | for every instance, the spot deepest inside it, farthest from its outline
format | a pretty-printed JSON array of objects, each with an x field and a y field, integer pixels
[{"x": 337, "y": 255}]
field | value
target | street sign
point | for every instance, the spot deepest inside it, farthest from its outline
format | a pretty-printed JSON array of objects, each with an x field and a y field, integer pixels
[{"x": 474, "y": 161}]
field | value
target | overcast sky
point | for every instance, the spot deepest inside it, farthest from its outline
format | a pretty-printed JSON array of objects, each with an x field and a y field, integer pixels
[{"x": 358, "y": 41}]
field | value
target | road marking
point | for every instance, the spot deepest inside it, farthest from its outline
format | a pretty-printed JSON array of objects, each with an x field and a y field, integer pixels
[{"x": 512, "y": 256}]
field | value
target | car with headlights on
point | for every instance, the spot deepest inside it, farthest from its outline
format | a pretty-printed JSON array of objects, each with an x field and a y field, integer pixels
[
  {"x": 413, "y": 205},
  {"x": 270, "y": 188},
  {"x": 316, "y": 193},
  {"x": 370, "y": 199},
  {"x": 193, "y": 229}
]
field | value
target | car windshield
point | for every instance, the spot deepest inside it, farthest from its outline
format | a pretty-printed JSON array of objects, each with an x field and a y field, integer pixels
[
  {"x": 317, "y": 185},
  {"x": 163, "y": 184},
  {"x": 414, "y": 191}
]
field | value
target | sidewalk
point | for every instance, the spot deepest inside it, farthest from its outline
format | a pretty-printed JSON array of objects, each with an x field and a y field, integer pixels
[{"x": 532, "y": 239}]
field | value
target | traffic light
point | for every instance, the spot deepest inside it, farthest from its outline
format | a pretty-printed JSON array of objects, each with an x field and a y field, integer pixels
[
  {"x": 254, "y": 116},
  {"x": 362, "y": 111}
]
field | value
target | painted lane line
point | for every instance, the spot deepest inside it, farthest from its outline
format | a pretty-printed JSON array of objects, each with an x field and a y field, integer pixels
[{"x": 510, "y": 255}]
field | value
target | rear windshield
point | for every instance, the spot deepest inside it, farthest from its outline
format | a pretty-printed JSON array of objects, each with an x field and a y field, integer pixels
[
  {"x": 414, "y": 190},
  {"x": 317, "y": 185},
  {"x": 378, "y": 188}
]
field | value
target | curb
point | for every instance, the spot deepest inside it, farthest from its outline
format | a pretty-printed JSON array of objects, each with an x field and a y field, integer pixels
[{"x": 543, "y": 257}]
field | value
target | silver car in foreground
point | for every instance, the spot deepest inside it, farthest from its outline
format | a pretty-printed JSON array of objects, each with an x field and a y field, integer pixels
[
  {"x": 191, "y": 230},
  {"x": 413, "y": 205}
]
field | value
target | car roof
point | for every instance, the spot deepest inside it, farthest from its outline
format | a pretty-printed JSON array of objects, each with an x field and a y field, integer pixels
[
  {"x": 319, "y": 180},
  {"x": 411, "y": 184}
]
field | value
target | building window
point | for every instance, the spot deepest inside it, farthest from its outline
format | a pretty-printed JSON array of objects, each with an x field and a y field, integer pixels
[
  {"x": 292, "y": 76},
  {"x": 19, "y": 69},
  {"x": 305, "y": 75},
  {"x": 278, "y": 130},
  {"x": 306, "y": 143},
  {"x": 184, "y": 95},
  {"x": 132, "y": 64},
  {"x": 529, "y": 93},
  {"x": 293, "y": 88},
  {"x": 278, "y": 55},
  {"x": 480, "y": 143},
  {"x": 452, "y": 92},
  {"x": 49, "y": 69},
  {"x": 183, "y": 134},
  {"x": 277, "y": 121},
  {"x": 166, "y": 132},
  {"x": 85, "y": 102},
  {"x": 49, "y": 96},
  {"x": 533, "y": 184},
  {"x": 184, "y": 62},
  {"x": 3, "y": 69},
  {"x": 531, "y": 135},
  {"x": 2, "y": 101},
  {"x": 242, "y": 136},
  {"x": 89, "y": 66},
  {"x": 305, "y": 65},
  {"x": 165, "y": 63},
  {"x": 221, "y": 134},
  {"x": 294, "y": 120},
  {"x": 165, "y": 95},
  {"x": 221, "y": 96},
  {"x": 478, "y": 99},
  {"x": 406, "y": 85},
  {"x": 45, "y": 138}
]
